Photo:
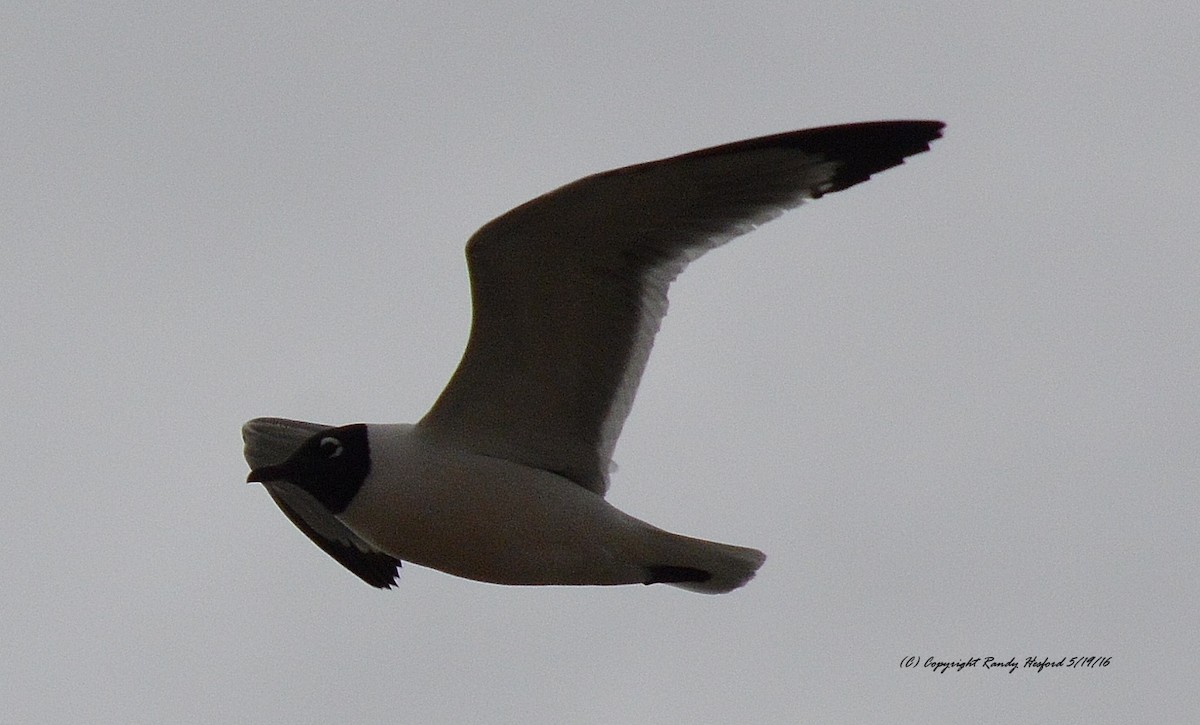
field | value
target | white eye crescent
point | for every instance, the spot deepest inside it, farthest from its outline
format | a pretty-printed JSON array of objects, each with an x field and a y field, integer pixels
[{"x": 331, "y": 447}]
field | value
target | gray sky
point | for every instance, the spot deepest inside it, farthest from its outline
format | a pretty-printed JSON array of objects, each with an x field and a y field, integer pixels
[{"x": 957, "y": 405}]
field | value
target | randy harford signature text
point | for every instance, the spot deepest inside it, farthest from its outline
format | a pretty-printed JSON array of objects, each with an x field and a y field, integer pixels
[{"x": 1011, "y": 665}]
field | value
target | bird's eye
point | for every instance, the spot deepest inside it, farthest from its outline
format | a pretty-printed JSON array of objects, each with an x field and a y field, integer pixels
[{"x": 331, "y": 447}]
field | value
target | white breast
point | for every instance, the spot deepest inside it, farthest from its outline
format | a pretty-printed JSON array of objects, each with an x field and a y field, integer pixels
[{"x": 490, "y": 519}]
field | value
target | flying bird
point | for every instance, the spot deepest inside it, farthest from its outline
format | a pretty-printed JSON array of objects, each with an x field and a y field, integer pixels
[{"x": 503, "y": 480}]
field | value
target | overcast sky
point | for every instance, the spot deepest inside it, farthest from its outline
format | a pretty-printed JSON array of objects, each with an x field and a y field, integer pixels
[{"x": 957, "y": 405}]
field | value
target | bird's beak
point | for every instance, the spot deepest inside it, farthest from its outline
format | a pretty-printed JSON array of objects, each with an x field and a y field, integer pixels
[{"x": 267, "y": 473}]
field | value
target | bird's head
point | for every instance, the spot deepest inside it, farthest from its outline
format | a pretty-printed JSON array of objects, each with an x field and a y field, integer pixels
[{"x": 331, "y": 466}]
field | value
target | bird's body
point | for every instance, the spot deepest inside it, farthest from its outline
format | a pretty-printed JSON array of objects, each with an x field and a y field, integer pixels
[
  {"x": 553, "y": 532},
  {"x": 430, "y": 502},
  {"x": 503, "y": 480}
]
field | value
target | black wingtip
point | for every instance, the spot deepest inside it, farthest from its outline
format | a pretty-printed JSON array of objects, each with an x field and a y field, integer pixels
[
  {"x": 865, "y": 149},
  {"x": 667, "y": 574},
  {"x": 382, "y": 574},
  {"x": 373, "y": 567},
  {"x": 859, "y": 149}
]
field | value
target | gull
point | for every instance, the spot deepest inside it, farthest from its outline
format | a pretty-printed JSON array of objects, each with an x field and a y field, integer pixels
[{"x": 503, "y": 480}]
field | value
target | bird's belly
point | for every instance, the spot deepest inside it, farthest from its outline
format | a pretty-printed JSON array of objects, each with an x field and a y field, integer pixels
[{"x": 497, "y": 521}]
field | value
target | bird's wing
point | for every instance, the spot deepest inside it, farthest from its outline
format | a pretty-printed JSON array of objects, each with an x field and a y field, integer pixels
[
  {"x": 272, "y": 440},
  {"x": 569, "y": 288},
  {"x": 368, "y": 563}
]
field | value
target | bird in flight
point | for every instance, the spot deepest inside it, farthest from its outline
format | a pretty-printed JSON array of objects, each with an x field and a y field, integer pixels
[{"x": 503, "y": 480}]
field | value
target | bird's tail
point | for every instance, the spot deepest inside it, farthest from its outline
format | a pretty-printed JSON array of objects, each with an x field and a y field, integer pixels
[{"x": 702, "y": 566}]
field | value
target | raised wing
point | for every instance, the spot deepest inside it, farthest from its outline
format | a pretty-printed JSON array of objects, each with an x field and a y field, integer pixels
[{"x": 569, "y": 289}]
